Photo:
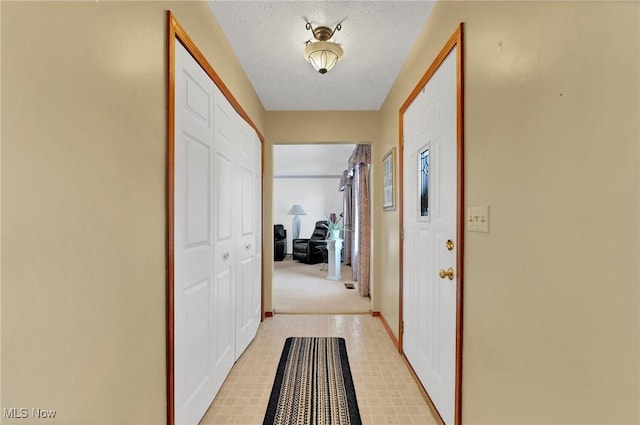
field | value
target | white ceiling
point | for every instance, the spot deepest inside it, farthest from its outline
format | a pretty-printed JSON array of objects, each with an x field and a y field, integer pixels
[
  {"x": 310, "y": 160},
  {"x": 268, "y": 38}
]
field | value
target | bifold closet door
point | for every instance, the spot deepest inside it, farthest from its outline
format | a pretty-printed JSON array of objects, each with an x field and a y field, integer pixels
[
  {"x": 248, "y": 216},
  {"x": 225, "y": 235},
  {"x": 217, "y": 238},
  {"x": 237, "y": 218},
  {"x": 195, "y": 283}
]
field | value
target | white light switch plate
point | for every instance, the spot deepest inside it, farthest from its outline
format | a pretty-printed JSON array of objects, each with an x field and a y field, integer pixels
[{"x": 478, "y": 219}]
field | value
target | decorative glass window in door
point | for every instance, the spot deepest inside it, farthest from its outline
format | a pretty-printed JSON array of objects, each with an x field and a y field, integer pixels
[{"x": 423, "y": 181}]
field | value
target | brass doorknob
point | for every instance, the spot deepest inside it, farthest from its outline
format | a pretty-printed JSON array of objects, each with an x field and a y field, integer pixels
[{"x": 446, "y": 273}]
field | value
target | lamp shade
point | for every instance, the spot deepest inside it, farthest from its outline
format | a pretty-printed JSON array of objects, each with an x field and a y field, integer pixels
[
  {"x": 323, "y": 55},
  {"x": 296, "y": 210}
]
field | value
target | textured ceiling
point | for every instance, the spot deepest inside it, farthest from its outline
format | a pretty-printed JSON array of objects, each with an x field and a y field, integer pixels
[{"x": 268, "y": 38}]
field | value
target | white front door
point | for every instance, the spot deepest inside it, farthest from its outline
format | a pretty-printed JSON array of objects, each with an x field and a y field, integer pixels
[
  {"x": 429, "y": 217},
  {"x": 194, "y": 280}
]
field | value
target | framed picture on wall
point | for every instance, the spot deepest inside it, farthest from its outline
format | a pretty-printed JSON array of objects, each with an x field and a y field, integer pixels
[{"x": 389, "y": 176}]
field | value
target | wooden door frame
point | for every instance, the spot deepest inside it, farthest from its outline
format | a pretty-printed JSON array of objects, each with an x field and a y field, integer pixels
[
  {"x": 454, "y": 41},
  {"x": 176, "y": 31}
]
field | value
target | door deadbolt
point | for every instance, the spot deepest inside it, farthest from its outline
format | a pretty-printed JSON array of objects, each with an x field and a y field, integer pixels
[{"x": 449, "y": 244}]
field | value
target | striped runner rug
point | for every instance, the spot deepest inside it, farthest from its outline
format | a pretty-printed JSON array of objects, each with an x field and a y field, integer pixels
[{"x": 313, "y": 385}]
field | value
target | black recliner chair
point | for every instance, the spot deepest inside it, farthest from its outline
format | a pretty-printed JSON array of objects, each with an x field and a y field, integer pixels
[
  {"x": 279, "y": 242},
  {"x": 306, "y": 250}
]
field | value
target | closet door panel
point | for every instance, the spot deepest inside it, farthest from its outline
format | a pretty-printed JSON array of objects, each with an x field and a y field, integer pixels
[
  {"x": 193, "y": 244},
  {"x": 246, "y": 320},
  {"x": 223, "y": 314},
  {"x": 217, "y": 262}
]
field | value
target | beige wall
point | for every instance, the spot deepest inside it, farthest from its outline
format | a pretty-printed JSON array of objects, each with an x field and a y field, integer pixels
[
  {"x": 308, "y": 127},
  {"x": 551, "y": 294},
  {"x": 551, "y": 322},
  {"x": 1, "y": 404},
  {"x": 83, "y": 201}
]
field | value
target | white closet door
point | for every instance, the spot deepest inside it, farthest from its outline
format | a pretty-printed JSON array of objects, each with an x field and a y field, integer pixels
[
  {"x": 247, "y": 285},
  {"x": 257, "y": 284},
  {"x": 224, "y": 218},
  {"x": 194, "y": 281},
  {"x": 217, "y": 279}
]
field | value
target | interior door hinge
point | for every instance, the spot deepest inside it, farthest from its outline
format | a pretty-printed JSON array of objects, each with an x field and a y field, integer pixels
[{"x": 402, "y": 327}]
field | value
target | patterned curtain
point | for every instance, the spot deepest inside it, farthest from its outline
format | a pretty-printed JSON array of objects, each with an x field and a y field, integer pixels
[
  {"x": 359, "y": 162},
  {"x": 347, "y": 211},
  {"x": 355, "y": 230}
]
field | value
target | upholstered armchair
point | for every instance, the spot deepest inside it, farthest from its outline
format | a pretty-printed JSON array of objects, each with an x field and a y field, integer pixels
[
  {"x": 279, "y": 242},
  {"x": 306, "y": 250}
]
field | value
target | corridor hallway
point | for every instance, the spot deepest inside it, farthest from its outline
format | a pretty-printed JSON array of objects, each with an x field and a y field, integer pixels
[{"x": 385, "y": 389}]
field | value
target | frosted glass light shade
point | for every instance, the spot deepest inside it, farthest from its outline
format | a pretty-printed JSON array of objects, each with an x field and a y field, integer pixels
[{"x": 323, "y": 55}]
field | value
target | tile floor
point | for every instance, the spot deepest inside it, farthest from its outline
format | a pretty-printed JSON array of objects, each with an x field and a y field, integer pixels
[{"x": 386, "y": 391}]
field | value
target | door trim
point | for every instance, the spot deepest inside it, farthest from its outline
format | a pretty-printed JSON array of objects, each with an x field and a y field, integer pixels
[
  {"x": 454, "y": 41},
  {"x": 176, "y": 31}
]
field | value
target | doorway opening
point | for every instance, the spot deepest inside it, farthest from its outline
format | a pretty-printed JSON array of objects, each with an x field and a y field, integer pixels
[{"x": 312, "y": 185}]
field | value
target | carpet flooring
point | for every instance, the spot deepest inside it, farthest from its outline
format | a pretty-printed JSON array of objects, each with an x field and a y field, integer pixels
[
  {"x": 304, "y": 288},
  {"x": 313, "y": 385}
]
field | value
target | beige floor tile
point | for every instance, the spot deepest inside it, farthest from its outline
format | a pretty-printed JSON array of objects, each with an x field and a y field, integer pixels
[{"x": 386, "y": 391}]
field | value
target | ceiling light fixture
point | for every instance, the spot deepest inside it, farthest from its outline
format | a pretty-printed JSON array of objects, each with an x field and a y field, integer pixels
[{"x": 322, "y": 54}]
